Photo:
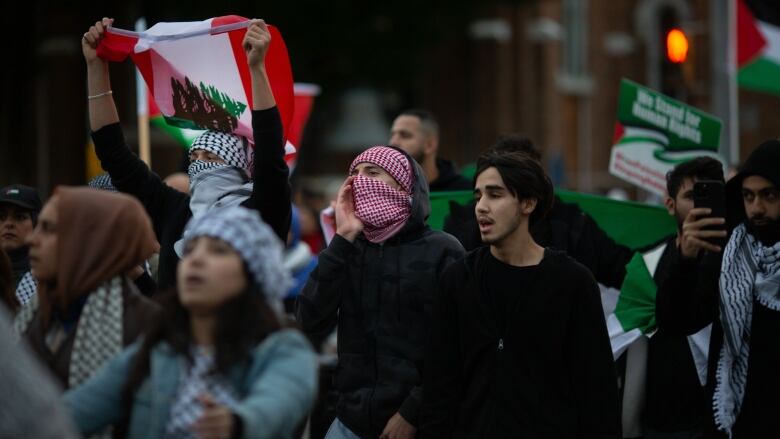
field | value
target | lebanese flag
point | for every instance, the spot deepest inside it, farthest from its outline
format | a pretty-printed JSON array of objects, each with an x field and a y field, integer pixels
[
  {"x": 758, "y": 45},
  {"x": 198, "y": 75},
  {"x": 304, "y": 101}
]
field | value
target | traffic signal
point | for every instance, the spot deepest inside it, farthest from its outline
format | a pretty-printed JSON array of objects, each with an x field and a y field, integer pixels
[{"x": 676, "y": 46}]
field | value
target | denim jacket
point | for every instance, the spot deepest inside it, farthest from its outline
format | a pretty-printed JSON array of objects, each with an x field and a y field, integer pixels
[{"x": 276, "y": 390}]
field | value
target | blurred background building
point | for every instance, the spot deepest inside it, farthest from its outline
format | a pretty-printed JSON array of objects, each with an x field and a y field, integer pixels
[{"x": 547, "y": 68}]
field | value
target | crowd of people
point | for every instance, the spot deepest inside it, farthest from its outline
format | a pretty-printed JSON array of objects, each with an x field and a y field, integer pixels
[{"x": 134, "y": 309}]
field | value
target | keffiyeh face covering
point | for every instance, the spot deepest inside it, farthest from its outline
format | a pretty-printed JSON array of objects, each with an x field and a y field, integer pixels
[{"x": 383, "y": 209}]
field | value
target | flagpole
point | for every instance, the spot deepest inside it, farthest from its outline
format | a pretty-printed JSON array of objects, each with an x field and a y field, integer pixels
[
  {"x": 144, "y": 140},
  {"x": 733, "y": 88},
  {"x": 725, "y": 94}
]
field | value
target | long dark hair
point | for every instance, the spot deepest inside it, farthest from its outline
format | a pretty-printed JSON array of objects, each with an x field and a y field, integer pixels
[{"x": 242, "y": 323}]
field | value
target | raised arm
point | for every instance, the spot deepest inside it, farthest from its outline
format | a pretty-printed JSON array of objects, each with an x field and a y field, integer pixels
[
  {"x": 102, "y": 109},
  {"x": 271, "y": 192},
  {"x": 128, "y": 173}
]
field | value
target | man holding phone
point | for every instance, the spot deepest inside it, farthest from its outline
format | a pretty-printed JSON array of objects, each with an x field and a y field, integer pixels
[
  {"x": 737, "y": 289},
  {"x": 676, "y": 364}
]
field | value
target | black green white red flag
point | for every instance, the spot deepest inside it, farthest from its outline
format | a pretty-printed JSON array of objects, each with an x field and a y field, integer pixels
[{"x": 758, "y": 45}]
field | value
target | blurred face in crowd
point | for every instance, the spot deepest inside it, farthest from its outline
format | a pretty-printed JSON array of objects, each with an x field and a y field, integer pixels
[
  {"x": 203, "y": 155},
  {"x": 44, "y": 252},
  {"x": 209, "y": 274},
  {"x": 682, "y": 203},
  {"x": 499, "y": 212},
  {"x": 409, "y": 134},
  {"x": 15, "y": 225},
  {"x": 762, "y": 201},
  {"x": 371, "y": 170}
]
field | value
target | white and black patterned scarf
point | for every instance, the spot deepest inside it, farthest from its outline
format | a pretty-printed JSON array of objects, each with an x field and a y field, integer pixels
[
  {"x": 195, "y": 380},
  {"x": 215, "y": 185},
  {"x": 98, "y": 333},
  {"x": 749, "y": 271},
  {"x": 26, "y": 289}
]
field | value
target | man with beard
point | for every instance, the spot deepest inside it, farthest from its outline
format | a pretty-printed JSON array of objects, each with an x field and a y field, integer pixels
[
  {"x": 675, "y": 365},
  {"x": 741, "y": 285},
  {"x": 19, "y": 209},
  {"x": 417, "y": 133},
  {"x": 519, "y": 345}
]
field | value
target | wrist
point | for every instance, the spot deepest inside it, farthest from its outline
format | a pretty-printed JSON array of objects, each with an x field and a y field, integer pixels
[
  {"x": 349, "y": 235},
  {"x": 97, "y": 63}
]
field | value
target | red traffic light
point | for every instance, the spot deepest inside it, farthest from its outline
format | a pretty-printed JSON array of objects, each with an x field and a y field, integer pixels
[{"x": 676, "y": 46}]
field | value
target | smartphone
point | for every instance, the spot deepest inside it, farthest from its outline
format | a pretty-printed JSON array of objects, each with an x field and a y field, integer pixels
[{"x": 711, "y": 194}]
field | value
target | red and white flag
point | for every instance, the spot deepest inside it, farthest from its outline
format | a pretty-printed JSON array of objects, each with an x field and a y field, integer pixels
[{"x": 198, "y": 75}]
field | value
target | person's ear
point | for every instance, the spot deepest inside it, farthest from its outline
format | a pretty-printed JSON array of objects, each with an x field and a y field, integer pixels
[
  {"x": 669, "y": 203},
  {"x": 528, "y": 205},
  {"x": 431, "y": 145}
]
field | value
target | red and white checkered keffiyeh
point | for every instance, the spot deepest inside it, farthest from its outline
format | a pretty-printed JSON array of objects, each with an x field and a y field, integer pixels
[{"x": 383, "y": 209}]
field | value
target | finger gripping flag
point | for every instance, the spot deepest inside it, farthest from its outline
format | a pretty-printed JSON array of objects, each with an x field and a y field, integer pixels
[{"x": 197, "y": 72}]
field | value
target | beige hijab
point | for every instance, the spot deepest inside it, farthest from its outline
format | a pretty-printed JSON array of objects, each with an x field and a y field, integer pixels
[{"x": 100, "y": 235}]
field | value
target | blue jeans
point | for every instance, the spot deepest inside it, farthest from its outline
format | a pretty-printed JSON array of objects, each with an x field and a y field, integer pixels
[{"x": 338, "y": 430}]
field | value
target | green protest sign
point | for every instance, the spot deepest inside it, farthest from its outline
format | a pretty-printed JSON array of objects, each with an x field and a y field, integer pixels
[{"x": 654, "y": 133}]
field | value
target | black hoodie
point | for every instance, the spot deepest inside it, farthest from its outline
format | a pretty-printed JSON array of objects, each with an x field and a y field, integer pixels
[
  {"x": 449, "y": 179},
  {"x": 380, "y": 296}
]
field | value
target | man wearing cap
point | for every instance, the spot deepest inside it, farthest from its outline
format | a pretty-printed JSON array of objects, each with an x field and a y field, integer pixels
[
  {"x": 19, "y": 208},
  {"x": 737, "y": 288}
]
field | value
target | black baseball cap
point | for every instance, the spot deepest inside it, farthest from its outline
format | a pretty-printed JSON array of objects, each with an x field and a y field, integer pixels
[{"x": 20, "y": 195}]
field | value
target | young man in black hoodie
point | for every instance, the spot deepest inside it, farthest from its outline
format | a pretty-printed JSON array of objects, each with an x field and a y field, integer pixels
[
  {"x": 735, "y": 288},
  {"x": 19, "y": 209},
  {"x": 519, "y": 345},
  {"x": 417, "y": 133},
  {"x": 376, "y": 283}
]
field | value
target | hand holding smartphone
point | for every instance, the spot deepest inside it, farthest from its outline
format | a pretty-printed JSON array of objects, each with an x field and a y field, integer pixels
[{"x": 710, "y": 194}]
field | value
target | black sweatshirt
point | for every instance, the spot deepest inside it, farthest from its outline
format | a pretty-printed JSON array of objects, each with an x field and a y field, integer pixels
[
  {"x": 169, "y": 209},
  {"x": 675, "y": 399},
  {"x": 550, "y": 376},
  {"x": 688, "y": 301}
]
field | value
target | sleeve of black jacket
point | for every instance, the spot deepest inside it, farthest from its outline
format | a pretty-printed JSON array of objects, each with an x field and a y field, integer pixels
[
  {"x": 131, "y": 175},
  {"x": 271, "y": 191},
  {"x": 411, "y": 408},
  {"x": 594, "y": 378},
  {"x": 442, "y": 363},
  {"x": 320, "y": 299},
  {"x": 608, "y": 259},
  {"x": 687, "y": 300}
]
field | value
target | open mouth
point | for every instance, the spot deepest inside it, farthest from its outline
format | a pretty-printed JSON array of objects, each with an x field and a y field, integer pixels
[
  {"x": 193, "y": 281},
  {"x": 484, "y": 224}
]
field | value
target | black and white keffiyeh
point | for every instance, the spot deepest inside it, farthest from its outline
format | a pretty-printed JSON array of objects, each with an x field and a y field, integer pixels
[
  {"x": 26, "y": 289},
  {"x": 98, "y": 333},
  {"x": 750, "y": 271},
  {"x": 254, "y": 241},
  {"x": 234, "y": 150},
  {"x": 102, "y": 182},
  {"x": 196, "y": 379}
]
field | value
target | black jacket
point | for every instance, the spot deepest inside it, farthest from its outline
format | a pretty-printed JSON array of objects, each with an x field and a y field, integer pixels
[
  {"x": 381, "y": 297},
  {"x": 169, "y": 209},
  {"x": 550, "y": 376},
  {"x": 20, "y": 263},
  {"x": 449, "y": 179},
  {"x": 567, "y": 228}
]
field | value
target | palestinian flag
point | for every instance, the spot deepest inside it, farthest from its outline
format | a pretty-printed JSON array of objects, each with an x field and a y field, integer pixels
[
  {"x": 198, "y": 75},
  {"x": 758, "y": 45}
]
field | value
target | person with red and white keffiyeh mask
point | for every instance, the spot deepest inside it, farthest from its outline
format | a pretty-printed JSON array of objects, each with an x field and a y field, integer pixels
[{"x": 376, "y": 282}]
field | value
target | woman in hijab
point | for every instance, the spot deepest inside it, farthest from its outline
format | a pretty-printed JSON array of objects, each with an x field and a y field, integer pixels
[
  {"x": 86, "y": 309},
  {"x": 217, "y": 363}
]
